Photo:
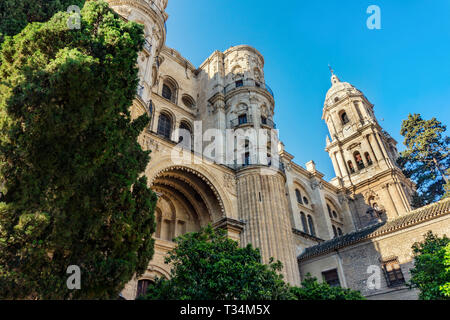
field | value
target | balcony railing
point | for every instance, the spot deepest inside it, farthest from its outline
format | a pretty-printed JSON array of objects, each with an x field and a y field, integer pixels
[
  {"x": 270, "y": 165},
  {"x": 241, "y": 121},
  {"x": 248, "y": 83},
  {"x": 269, "y": 123}
]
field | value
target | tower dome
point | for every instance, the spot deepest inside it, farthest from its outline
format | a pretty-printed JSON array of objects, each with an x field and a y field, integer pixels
[{"x": 338, "y": 90}]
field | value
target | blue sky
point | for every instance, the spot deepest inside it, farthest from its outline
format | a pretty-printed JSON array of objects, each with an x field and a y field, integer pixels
[{"x": 402, "y": 68}]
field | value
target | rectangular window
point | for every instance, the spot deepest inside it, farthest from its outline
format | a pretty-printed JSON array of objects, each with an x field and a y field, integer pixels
[
  {"x": 332, "y": 278},
  {"x": 242, "y": 119},
  {"x": 393, "y": 272},
  {"x": 247, "y": 159},
  {"x": 239, "y": 83}
]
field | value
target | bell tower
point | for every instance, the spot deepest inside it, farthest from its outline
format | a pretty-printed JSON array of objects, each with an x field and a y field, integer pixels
[{"x": 364, "y": 155}]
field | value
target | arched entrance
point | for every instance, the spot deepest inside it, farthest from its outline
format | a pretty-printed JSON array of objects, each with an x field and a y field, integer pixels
[{"x": 187, "y": 202}]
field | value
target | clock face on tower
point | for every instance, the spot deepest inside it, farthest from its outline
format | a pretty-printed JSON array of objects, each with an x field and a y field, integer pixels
[{"x": 347, "y": 130}]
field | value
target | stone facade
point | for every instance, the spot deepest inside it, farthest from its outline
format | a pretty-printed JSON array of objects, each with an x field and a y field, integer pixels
[
  {"x": 247, "y": 183},
  {"x": 366, "y": 252}
]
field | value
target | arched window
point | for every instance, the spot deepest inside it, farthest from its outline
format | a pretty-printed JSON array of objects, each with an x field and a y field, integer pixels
[
  {"x": 185, "y": 135},
  {"x": 359, "y": 161},
  {"x": 299, "y": 196},
  {"x": 311, "y": 226},
  {"x": 237, "y": 72},
  {"x": 329, "y": 211},
  {"x": 339, "y": 230},
  {"x": 188, "y": 101},
  {"x": 142, "y": 287},
  {"x": 335, "y": 232},
  {"x": 167, "y": 92},
  {"x": 344, "y": 118},
  {"x": 350, "y": 166},
  {"x": 368, "y": 159},
  {"x": 304, "y": 222},
  {"x": 305, "y": 200},
  {"x": 164, "y": 125}
]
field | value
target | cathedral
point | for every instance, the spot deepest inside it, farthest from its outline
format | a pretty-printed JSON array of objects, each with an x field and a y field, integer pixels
[{"x": 216, "y": 159}]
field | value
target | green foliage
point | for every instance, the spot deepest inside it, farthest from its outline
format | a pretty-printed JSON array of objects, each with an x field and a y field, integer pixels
[
  {"x": 445, "y": 288},
  {"x": 209, "y": 266},
  {"x": 311, "y": 289},
  {"x": 16, "y": 14},
  {"x": 70, "y": 163},
  {"x": 430, "y": 273},
  {"x": 425, "y": 158}
]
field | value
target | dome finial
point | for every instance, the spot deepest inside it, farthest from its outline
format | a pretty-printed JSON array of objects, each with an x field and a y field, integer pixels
[
  {"x": 334, "y": 78},
  {"x": 331, "y": 69}
]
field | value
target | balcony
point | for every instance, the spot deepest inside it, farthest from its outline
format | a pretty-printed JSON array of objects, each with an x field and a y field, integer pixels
[
  {"x": 268, "y": 123},
  {"x": 241, "y": 121},
  {"x": 242, "y": 166},
  {"x": 248, "y": 83}
]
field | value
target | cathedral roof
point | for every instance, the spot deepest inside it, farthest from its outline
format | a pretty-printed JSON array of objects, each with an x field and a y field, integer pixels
[{"x": 429, "y": 212}]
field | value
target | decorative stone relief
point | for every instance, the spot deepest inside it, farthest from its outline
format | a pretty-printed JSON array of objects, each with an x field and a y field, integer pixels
[
  {"x": 124, "y": 11},
  {"x": 342, "y": 199},
  {"x": 287, "y": 166},
  {"x": 317, "y": 184},
  {"x": 150, "y": 144},
  {"x": 230, "y": 182}
]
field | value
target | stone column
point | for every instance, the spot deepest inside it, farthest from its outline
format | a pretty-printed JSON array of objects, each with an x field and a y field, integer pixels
[
  {"x": 376, "y": 145},
  {"x": 373, "y": 154},
  {"x": 392, "y": 211},
  {"x": 219, "y": 106},
  {"x": 322, "y": 211},
  {"x": 264, "y": 208}
]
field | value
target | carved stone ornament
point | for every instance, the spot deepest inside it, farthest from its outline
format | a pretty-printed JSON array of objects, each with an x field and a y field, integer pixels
[
  {"x": 316, "y": 184},
  {"x": 229, "y": 181}
]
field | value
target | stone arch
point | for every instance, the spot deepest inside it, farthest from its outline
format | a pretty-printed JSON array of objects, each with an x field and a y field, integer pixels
[
  {"x": 344, "y": 117},
  {"x": 194, "y": 180},
  {"x": 237, "y": 72},
  {"x": 333, "y": 202},
  {"x": 187, "y": 122},
  {"x": 303, "y": 185},
  {"x": 188, "y": 101},
  {"x": 172, "y": 84},
  {"x": 334, "y": 206},
  {"x": 159, "y": 271},
  {"x": 168, "y": 112}
]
